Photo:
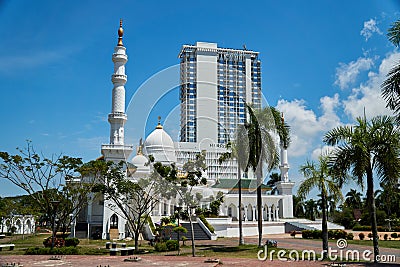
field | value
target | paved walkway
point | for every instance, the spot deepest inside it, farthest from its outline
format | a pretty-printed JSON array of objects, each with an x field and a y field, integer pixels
[{"x": 172, "y": 261}]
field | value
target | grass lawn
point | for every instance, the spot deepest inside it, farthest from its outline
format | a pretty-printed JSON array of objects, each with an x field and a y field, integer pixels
[
  {"x": 382, "y": 243},
  {"x": 97, "y": 247}
]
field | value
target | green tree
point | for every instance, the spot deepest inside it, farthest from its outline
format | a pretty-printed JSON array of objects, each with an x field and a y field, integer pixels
[
  {"x": 132, "y": 200},
  {"x": 273, "y": 179},
  {"x": 298, "y": 207},
  {"x": 365, "y": 148},
  {"x": 54, "y": 184},
  {"x": 353, "y": 199},
  {"x": 391, "y": 86},
  {"x": 318, "y": 175},
  {"x": 183, "y": 187},
  {"x": 311, "y": 209}
]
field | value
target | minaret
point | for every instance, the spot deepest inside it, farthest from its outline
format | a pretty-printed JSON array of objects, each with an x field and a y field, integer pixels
[
  {"x": 116, "y": 150},
  {"x": 284, "y": 186},
  {"x": 284, "y": 167}
]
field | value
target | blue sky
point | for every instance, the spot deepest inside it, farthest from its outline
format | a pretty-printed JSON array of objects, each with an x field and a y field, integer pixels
[{"x": 322, "y": 63}]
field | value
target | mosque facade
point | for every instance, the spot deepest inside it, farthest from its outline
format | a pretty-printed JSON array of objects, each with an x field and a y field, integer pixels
[{"x": 221, "y": 177}]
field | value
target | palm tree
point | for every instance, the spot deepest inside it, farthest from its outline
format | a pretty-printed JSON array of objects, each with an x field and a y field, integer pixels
[
  {"x": 391, "y": 86},
  {"x": 310, "y": 209},
  {"x": 262, "y": 152},
  {"x": 353, "y": 199},
  {"x": 319, "y": 176},
  {"x": 238, "y": 151},
  {"x": 273, "y": 179},
  {"x": 365, "y": 148},
  {"x": 299, "y": 207}
]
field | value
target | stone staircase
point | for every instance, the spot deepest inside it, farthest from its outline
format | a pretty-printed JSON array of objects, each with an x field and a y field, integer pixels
[{"x": 199, "y": 233}]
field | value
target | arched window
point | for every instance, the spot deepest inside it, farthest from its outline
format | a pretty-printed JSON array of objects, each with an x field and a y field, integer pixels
[{"x": 114, "y": 222}]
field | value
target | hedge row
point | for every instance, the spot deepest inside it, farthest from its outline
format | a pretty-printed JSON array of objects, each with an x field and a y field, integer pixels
[
  {"x": 332, "y": 234},
  {"x": 54, "y": 251},
  {"x": 380, "y": 228}
]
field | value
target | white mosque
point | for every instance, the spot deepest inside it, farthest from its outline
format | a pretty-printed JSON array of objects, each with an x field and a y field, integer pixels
[{"x": 98, "y": 217}]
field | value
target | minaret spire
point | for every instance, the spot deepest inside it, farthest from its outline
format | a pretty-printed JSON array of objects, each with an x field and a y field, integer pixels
[
  {"x": 117, "y": 118},
  {"x": 120, "y": 33}
]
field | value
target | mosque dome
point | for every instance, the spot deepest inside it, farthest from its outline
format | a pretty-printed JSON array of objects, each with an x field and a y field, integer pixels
[
  {"x": 160, "y": 145},
  {"x": 139, "y": 160}
]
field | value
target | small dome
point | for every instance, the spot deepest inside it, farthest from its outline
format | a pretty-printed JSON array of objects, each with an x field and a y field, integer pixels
[
  {"x": 160, "y": 145},
  {"x": 139, "y": 160}
]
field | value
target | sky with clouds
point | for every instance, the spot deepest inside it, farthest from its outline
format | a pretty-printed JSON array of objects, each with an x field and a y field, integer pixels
[{"x": 322, "y": 65}]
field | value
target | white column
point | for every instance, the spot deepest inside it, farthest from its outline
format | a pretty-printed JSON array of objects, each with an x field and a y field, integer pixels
[
  {"x": 254, "y": 213},
  {"x": 159, "y": 208},
  {"x": 277, "y": 213},
  {"x": 269, "y": 212},
  {"x": 245, "y": 213},
  {"x": 169, "y": 208}
]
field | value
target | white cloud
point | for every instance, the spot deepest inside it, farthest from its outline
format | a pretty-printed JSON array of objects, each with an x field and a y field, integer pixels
[
  {"x": 304, "y": 123},
  {"x": 324, "y": 150},
  {"x": 346, "y": 74},
  {"x": 370, "y": 27},
  {"x": 368, "y": 95}
]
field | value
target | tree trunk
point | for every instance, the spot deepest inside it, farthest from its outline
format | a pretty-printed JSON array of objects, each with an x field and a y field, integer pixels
[
  {"x": 372, "y": 211},
  {"x": 324, "y": 226},
  {"x": 259, "y": 214},
  {"x": 192, "y": 235},
  {"x": 137, "y": 240},
  {"x": 241, "y": 239}
]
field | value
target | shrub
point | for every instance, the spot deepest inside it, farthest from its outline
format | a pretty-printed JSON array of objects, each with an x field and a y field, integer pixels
[
  {"x": 394, "y": 235},
  {"x": 332, "y": 234},
  {"x": 172, "y": 245},
  {"x": 385, "y": 236},
  {"x": 362, "y": 228},
  {"x": 179, "y": 229},
  {"x": 361, "y": 236},
  {"x": 160, "y": 247},
  {"x": 370, "y": 235},
  {"x": 71, "y": 242},
  {"x": 206, "y": 223},
  {"x": 58, "y": 242},
  {"x": 350, "y": 236},
  {"x": 54, "y": 251}
]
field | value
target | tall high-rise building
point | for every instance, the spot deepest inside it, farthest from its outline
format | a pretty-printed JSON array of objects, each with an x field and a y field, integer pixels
[{"x": 215, "y": 85}]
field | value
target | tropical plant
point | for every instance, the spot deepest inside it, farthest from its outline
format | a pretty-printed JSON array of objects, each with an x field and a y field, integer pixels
[
  {"x": 262, "y": 151},
  {"x": 353, "y": 199},
  {"x": 364, "y": 149},
  {"x": 318, "y": 175},
  {"x": 391, "y": 86},
  {"x": 311, "y": 209},
  {"x": 273, "y": 179}
]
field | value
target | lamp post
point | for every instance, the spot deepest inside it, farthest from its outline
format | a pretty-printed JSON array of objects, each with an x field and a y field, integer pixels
[{"x": 54, "y": 205}]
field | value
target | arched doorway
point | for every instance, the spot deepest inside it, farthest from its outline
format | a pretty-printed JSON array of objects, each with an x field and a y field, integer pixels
[
  {"x": 114, "y": 222},
  {"x": 249, "y": 212}
]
